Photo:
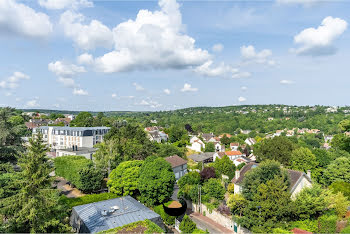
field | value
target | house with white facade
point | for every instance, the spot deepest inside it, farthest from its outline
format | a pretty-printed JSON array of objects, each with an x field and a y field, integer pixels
[
  {"x": 250, "y": 141},
  {"x": 234, "y": 146},
  {"x": 298, "y": 179},
  {"x": 197, "y": 145},
  {"x": 235, "y": 156}
]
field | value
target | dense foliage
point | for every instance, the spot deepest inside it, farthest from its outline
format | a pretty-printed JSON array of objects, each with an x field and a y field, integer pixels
[
  {"x": 90, "y": 198},
  {"x": 35, "y": 207},
  {"x": 187, "y": 225},
  {"x": 156, "y": 182},
  {"x": 148, "y": 225},
  {"x": 123, "y": 180},
  {"x": 79, "y": 171}
]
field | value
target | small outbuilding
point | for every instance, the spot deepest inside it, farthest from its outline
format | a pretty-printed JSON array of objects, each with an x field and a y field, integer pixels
[{"x": 104, "y": 215}]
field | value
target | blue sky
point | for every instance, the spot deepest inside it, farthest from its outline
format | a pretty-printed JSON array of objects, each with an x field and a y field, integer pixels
[{"x": 150, "y": 55}]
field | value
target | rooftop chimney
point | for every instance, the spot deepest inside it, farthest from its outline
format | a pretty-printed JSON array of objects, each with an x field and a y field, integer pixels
[
  {"x": 237, "y": 175},
  {"x": 309, "y": 173}
]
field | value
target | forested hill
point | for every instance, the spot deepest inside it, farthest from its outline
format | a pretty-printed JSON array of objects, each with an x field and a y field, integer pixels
[{"x": 230, "y": 119}]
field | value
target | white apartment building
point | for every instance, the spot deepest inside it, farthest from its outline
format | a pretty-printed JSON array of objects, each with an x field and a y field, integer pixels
[{"x": 67, "y": 137}]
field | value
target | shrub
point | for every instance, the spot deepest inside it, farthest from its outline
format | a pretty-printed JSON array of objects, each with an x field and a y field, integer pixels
[
  {"x": 346, "y": 230},
  {"x": 327, "y": 223},
  {"x": 207, "y": 173},
  {"x": 280, "y": 230},
  {"x": 307, "y": 224},
  {"x": 79, "y": 171},
  {"x": 231, "y": 188},
  {"x": 71, "y": 202},
  {"x": 167, "y": 219},
  {"x": 187, "y": 225},
  {"x": 341, "y": 186}
]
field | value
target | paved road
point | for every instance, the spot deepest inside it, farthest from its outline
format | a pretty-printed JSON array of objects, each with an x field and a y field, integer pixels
[{"x": 205, "y": 223}]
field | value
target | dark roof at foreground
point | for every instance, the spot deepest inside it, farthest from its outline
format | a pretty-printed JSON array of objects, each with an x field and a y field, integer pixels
[{"x": 90, "y": 218}]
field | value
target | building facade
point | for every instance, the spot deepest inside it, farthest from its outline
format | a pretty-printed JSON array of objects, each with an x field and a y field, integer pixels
[{"x": 67, "y": 137}]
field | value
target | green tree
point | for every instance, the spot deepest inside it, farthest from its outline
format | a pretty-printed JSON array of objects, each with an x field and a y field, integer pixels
[
  {"x": 176, "y": 133},
  {"x": 266, "y": 171},
  {"x": 303, "y": 159},
  {"x": 209, "y": 147},
  {"x": 10, "y": 136},
  {"x": 341, "y": 186},
  {"x": 166, "y": 150},
  {"x": 156, "y": 182},
  {"x": 278, "y": 149},
  {"x": 341, "y": 141},
  {"x": 212, "y": 189},
  {"x": 344, "y": 125},
  {"x": 224, "y": 166},
  {"x": 339, "y": 203},
  {"x": 187, "y": 225},
  {"x": 36, "y": 207},
  {"x": 83, "y": 119},
  {"x": 237, "y": 203},
  {"x": 191, "y": 178},
  {"x": 123, "y": 180},
  {"x": 270, "y": 206},
  {"x": 338, "y": 170},
  {"x": 123, "y": 143},
  {"x": 225, "y": 140},
  {"x": 310, "y": 203},
  {"x": 90, "y": 179}
]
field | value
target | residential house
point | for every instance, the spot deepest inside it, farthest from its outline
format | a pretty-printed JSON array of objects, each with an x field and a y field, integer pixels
[
  {"x": 270, "y": 118},
  {"x": 250, "y": 141},
  {"x": 314, "y": 131},
  {"x": 278, "y": 133},
  {"x": 235, "y": 156},
  {"x": 155, "y": 134},
  {"x": 219, "y": 147},
  {"x": 34, "y": 123},
  {"x": 328, "y": 138},
  {"x": 326, "y": 146},
  {"x": 108, "y": 214},
  {"x": 67, "y": 137},
  {"x": 65, "y": 121},
  {"x": 290, "y": 133},
  {"x": 197, "y": 145},
  {"x": 228, "y": 135},
  {"x": 234, "y": 146},
  {"x": 298, "y": 179},
  {"x": 69, "y": 116},
  {"x": 245, "y": 131},
  {"x": 214, "y": 139},
  {"x": 178, "y": 164},
  {"x": 207, "y": 136}
]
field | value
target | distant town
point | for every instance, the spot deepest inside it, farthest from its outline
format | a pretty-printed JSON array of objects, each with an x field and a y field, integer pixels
[{"x": 190, "y": 170}]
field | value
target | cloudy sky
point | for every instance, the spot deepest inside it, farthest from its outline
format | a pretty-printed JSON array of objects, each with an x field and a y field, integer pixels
[{"x": 149, "y": 55}]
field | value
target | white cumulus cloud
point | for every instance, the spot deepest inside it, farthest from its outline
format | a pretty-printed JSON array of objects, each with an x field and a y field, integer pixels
[
  {"x": 12, "y": 82},
  {"x": 167, "y": 91},
  {"x": 188, "y": 88},
  {"x": 32, "y": 103},
  {"x": 65, "y": 69},
  {"x": 62, "y": 4},
  {"x": 220, "y": 70},
  {"x": 154, "y": 40},
  {"x": 302, "y": 2},
  {"x": 19, "y": 19},
  {"x": 80, "y": 92},
  {"x": 318, "y": 41},
  {"x": 138, "y": 87},
  {"x": 242, "y": 99},
  {"x": 86, "y": 36},
  {"x": 286, "y": 82},
  {"x": 218, "y": 47},
  {"x": 249, "y": 55}
]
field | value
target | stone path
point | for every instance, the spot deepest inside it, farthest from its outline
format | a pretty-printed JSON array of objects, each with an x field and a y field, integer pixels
[{"x": 66, "y": 189}]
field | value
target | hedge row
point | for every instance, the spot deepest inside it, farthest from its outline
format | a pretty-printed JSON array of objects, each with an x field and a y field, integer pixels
[{"x": 71, "y": 202}]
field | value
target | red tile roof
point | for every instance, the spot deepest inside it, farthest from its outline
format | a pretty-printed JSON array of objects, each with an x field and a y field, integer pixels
[
  {"x": 298, "y": 230},
  {"x": 233, "y": 153}
]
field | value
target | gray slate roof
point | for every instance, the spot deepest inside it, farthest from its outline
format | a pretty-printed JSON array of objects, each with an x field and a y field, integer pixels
[
  {"x": 201, "y": 157},
  {"x": 89, "y": 218}
]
